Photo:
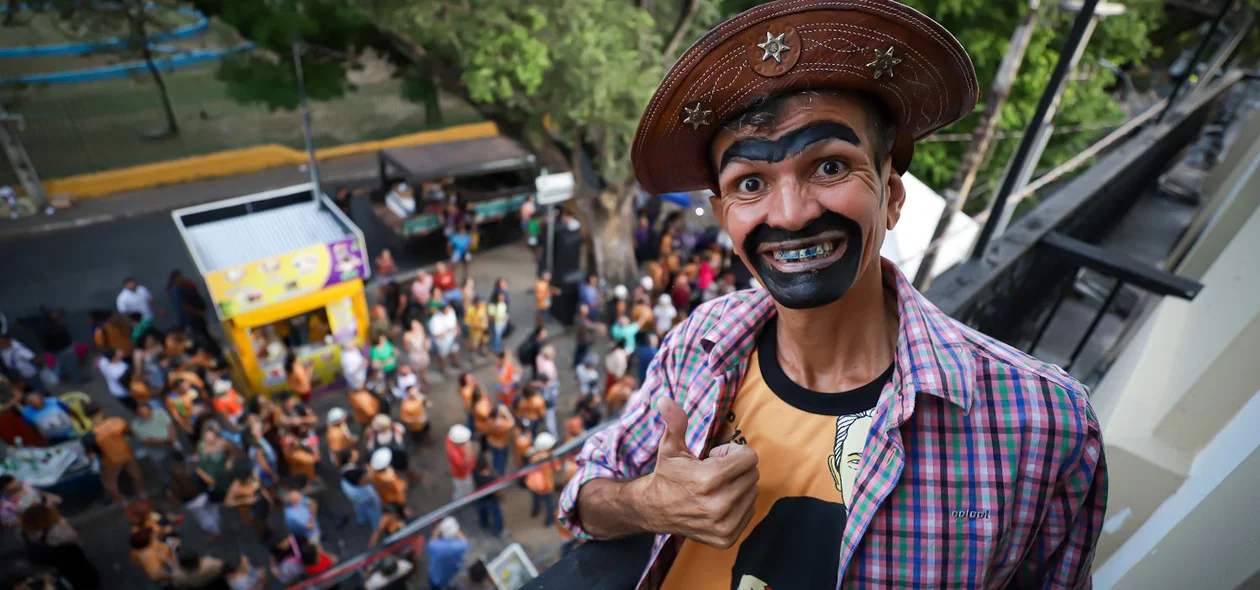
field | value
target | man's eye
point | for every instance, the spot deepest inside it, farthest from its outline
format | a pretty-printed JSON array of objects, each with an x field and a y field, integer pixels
[
  {"x": 751, "y": 184},
  {"x": 830, "y": 168}
]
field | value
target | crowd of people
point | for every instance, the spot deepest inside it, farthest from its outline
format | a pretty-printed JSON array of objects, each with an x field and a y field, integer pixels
[{"x": 216, "y": 450}]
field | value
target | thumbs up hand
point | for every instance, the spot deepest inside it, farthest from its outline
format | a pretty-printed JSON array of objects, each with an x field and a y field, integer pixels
[{"x": 708, "y": 500}]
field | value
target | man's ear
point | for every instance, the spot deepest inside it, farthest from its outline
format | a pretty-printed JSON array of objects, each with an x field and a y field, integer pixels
[
  {"x": 715, "y": 203},
  {"x": 895, "y": 192}
]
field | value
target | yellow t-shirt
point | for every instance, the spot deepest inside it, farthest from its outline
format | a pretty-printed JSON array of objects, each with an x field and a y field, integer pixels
[{"x": 809, "y": 445}]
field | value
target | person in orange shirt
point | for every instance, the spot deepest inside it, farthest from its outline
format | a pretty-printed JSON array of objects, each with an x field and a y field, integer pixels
[
  {"x": 531, "y": 408},
  {"x": 153, "y": 557},
  {"x": 227, "y": 401},
  {"x": 509, "y": 378},
  {"x": 542, "y": 482},
  {"x": 389, "y": 485},
  {"x": 498, "y": 438},
  {"x": 467, "y": 387},
  {"x": 364, "y": 406},
  {"x": 114, "y": 451},
  {"x": 339, "y": 437},
  {"x": 543, "y": 292},
  {"x": 618, "y": 395},
  {"x": 656, "y": 272},
  {"x": 413, "y": 412},
  {"x": 522, "y": 441},
  {"x": 299, "y": 378}
]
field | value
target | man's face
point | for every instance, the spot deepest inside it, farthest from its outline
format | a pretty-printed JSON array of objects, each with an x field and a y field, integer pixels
[
  {"x": 35, "y": 400},
  {"x": 803, "y": 200},
  {"x": 441, "y": 267},
  {"x": 144, "y": 412},
  {"x": 130, "y": 285},
  {"x": 14, "y": 488}
]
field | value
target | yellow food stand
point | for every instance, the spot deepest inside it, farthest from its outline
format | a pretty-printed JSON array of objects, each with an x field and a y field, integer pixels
[{"x": 285, "y": 270}]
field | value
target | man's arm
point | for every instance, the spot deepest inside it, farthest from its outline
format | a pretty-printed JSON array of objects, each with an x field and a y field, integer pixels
[{"x": 1063, "y": 552}]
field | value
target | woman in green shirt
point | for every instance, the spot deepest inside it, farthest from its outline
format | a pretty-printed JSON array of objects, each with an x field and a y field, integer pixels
[{"x": 384, "y": 357}]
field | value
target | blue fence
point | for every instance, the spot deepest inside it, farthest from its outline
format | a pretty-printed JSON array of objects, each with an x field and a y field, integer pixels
[{"x": 199, "y": 27}]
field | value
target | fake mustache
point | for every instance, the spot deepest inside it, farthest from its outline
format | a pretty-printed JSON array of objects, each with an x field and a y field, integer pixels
[{"x": 828, "y": 221}]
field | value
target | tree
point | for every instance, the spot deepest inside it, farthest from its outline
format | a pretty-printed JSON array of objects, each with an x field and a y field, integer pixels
[
  {"x": 135, "y": 18},
  {"x": 567, "y": 78},
  {"x": 588, "y": 67}
]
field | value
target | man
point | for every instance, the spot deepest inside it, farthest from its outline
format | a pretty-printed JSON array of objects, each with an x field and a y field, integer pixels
[
  {"x": 460, "y": 455},
  {"x": 444, "y": 329},
  {"x": 19, "y": 361},
  {"x": 155, "y": 431},
  {"x": 111, "y": 447},
  {"x": 584, "y": 328},
  {"x": 460, "y": 250},
  {"x": 16, "y": 496},
  {"x": 135, "y": 298},
  {"x": 446, "y": 553},
  {"x": 588, "y": 294},
  {"x": 444, "y": 279},
  {"x": 827, "y": 429},
  {"x": 46, "y": 414},
  {"x": 301, "y": 515},
  {"x": 191, "y": 307},
  {"x": 55, "y": 339},
  {"x": 543, "y": 292},
  {"x": 113, "y": 367}
]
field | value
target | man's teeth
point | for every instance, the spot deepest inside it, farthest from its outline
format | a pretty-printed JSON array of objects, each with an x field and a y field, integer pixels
[{"x": 805, "y": 254}]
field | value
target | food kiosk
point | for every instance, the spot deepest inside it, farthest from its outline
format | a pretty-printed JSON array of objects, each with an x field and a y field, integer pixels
[
  {"x": 285, "y": 270},
  {"x": 492, "y": 176}
]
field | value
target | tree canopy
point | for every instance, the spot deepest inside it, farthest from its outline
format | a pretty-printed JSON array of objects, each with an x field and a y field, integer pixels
[{"x": 571, "y": 77}]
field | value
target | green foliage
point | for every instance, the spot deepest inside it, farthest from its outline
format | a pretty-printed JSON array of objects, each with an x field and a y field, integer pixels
[{"x": 984, "y": 29}]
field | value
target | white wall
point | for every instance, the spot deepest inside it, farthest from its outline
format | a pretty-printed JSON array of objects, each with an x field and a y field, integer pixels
[{"x": 907, "y": 242}]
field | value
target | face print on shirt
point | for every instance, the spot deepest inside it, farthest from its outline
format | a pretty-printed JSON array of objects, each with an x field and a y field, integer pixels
[{"x": 851, "y": 431}]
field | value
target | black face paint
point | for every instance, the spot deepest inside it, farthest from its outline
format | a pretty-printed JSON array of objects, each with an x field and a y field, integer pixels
[
  {"x": 805, "y": 290},
  {"x": 791, "y": 144}
]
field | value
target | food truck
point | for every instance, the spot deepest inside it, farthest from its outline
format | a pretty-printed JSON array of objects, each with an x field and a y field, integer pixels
[
  {"x": 493, "y": 176},
  {"x": 285, "y": 270}
]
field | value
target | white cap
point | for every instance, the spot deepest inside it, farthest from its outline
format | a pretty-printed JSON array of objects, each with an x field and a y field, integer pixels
[
  {"x": 545, "y": 441},
  {"x": 381, "y": 458},
  {"x": 646, "y": 283},
  {"x": 449, "y": 527},
  {"x": 459, "y": 434},
  {"x": 664, "y": 299},
  {"x": 381, "y": 422},
  {"x": 222, "y": 386},
  {"x": 621, "y": 292},
  {"x": 336, "y": 415},
  {"x": 275, "y": 348}
]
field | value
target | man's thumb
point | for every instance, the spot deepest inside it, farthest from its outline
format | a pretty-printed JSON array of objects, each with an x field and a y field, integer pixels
[{"x": 674, "y": 441}]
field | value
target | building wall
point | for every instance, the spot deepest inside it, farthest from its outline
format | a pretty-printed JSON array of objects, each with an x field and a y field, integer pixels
[{"x": 1178, "y": 410}]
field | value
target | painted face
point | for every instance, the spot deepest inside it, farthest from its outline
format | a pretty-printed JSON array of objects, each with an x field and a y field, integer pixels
[{"x": 803, "y": 200}]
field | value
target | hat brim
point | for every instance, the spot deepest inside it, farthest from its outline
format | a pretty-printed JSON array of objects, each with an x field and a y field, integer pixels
[{"x": 888, "y": 50}]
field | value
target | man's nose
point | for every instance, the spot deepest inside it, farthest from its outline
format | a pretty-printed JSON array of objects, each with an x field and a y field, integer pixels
[{"x": 792, "y": 206}]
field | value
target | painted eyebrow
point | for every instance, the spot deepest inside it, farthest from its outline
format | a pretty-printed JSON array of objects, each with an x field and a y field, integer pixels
[{"x": 791, "y": 144}]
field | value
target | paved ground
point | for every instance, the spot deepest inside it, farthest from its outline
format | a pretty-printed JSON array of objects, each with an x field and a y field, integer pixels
[{"x": 133, "y": 253}]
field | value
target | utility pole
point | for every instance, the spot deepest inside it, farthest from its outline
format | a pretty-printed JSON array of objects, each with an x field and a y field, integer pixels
[
  {"x": 10, "y": 126},
  {"x": 981, "y": 137},
  {"x": 311, "y": 164},
  {"x": 1103, "y": 10}
]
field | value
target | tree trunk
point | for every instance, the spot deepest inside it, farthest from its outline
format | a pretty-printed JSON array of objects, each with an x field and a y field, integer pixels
[
  {"x": 986, "y": 126},
  {"x": 140, "y": 35},
  {"x": 687, "y": 13},
  {"x": 11, "y": 16},
  {"x": 610, "y": 218}
]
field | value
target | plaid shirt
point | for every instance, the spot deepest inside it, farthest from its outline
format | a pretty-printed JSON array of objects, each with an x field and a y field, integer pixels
[{"x": 983, "y": 468}]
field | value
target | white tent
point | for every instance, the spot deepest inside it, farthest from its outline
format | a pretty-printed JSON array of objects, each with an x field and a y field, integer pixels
[{"x": 906, "y": 243}]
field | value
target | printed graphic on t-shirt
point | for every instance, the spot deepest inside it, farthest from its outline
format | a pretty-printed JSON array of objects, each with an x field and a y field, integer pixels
[{"x": 809, "y": 447}]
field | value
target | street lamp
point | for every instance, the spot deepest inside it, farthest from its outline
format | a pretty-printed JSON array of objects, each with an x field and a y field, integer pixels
[{"x": 311, "y": 164}]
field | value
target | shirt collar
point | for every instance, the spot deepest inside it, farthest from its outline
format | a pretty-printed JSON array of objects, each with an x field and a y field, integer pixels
[{"x": 932, "y": 354}]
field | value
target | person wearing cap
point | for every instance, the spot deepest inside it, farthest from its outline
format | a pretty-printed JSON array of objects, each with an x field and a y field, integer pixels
[
  {"x": 391, "y": 487},
  {"x": 356, "y": 485},
  {"x": 446, "y": 553},
  {"x": 339, "y": 437},
  {"x": 832, "y": 428},
  {"x": 542, "y": 481},
  {"x": 460, "y": 455},
  {"x": 227, "y": 401}
]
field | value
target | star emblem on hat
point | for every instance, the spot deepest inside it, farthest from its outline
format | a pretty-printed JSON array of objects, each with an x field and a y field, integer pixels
[
  {"x": 774, "y": 47},
  {"x": 884, "y": 62},
  {"x": 697, "y": 115}
]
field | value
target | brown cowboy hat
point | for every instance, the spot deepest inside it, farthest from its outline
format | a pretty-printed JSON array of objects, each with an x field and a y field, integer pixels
[{"x": 880, "y": 47}]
